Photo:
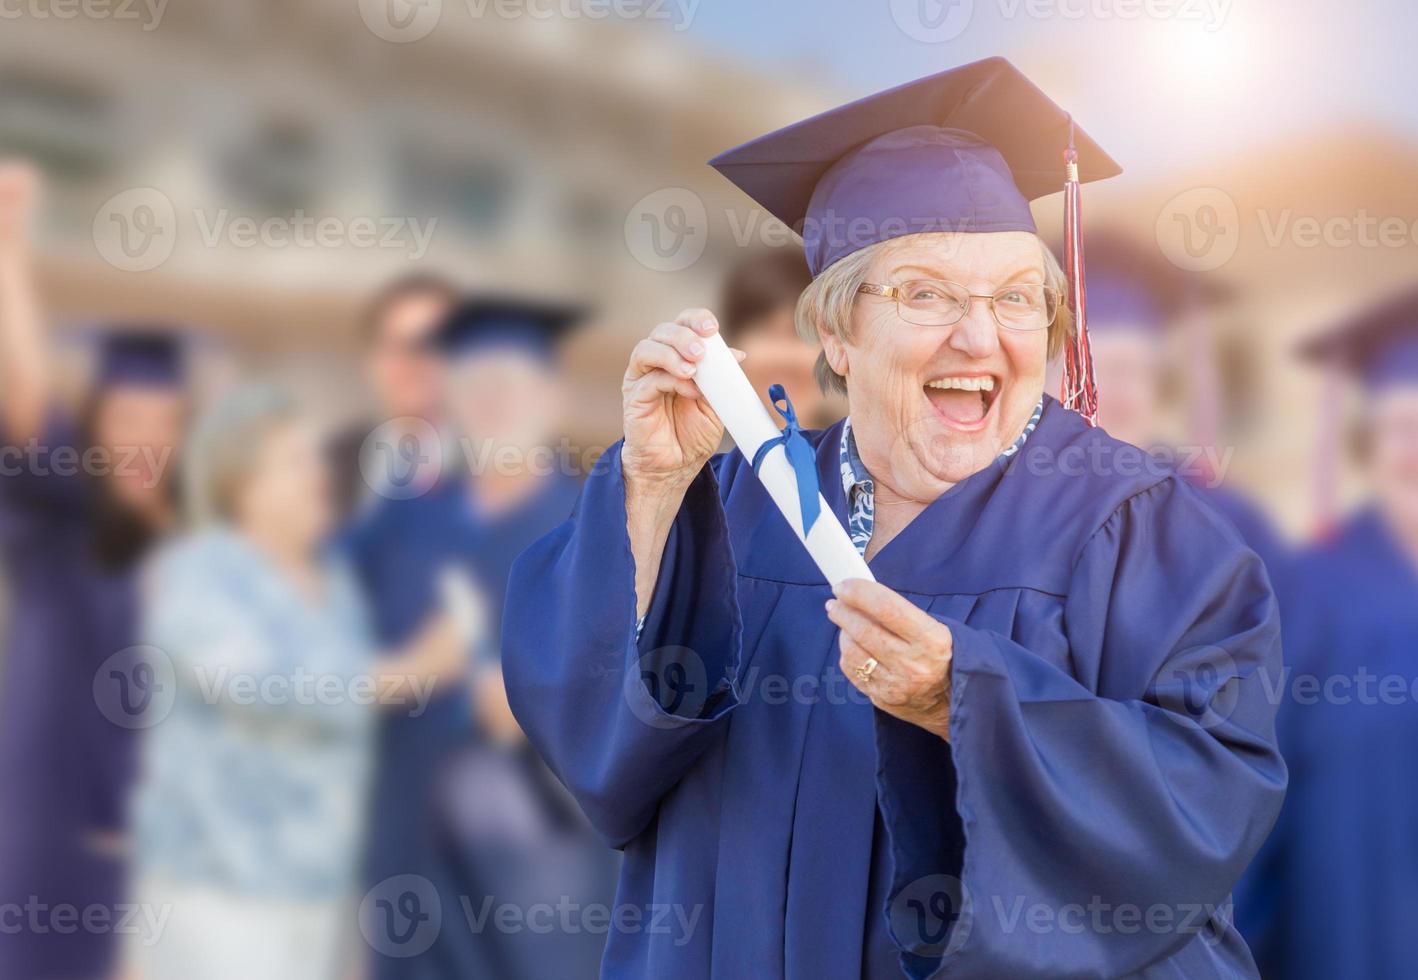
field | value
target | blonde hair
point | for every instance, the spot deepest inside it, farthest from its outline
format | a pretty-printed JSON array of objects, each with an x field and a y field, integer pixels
[
  {"x": 826, "y": 304},
  {"x": 226, "y": 446}
]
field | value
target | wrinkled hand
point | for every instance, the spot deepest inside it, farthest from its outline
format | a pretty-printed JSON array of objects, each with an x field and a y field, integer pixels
[
  {"x": 912, "y": 649},
  {"x": 670, "y": 430},
  {"x": 19, "y": 198}
]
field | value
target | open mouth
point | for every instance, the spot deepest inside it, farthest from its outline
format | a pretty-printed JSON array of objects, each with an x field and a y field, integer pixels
[{"x": 964, "y": 400}]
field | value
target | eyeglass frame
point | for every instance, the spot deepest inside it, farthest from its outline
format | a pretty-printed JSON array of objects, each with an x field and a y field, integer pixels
[{"x": 894, "y": 292}]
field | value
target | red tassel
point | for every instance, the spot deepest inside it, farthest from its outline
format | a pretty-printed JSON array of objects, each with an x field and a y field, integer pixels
[{"x": 1080, "y": 387}]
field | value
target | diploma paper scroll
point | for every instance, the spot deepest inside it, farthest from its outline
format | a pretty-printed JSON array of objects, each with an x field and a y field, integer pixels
[{"x": 744, "y": 416}]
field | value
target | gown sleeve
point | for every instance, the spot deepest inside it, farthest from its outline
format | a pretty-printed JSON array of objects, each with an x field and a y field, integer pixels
[
  {"x": 41, "y": 483},
  {"x": 1134, "y": 785},
  {"x": 621, "y": 719}
]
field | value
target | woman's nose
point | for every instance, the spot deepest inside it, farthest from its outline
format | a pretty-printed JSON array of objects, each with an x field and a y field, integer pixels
[{"x": 976, "y": 334}]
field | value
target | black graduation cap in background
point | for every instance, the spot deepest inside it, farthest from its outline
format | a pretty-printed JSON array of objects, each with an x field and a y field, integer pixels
[
  {"x": 141, "y": 354},
  {"x": 1378, "y": 345},
  {"x": 484, "y": 322}
]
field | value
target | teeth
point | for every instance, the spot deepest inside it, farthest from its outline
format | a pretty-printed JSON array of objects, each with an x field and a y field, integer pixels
[{"x": 985, "y": 383}]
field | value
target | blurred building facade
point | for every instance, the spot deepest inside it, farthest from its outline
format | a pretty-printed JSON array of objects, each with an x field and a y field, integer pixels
[
  {"x": 559, "y": 156},
  {"x": 509, "y": 153}
]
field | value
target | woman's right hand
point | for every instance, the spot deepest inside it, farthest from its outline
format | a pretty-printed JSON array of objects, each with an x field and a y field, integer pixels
[{"x": 670, "y": 429}]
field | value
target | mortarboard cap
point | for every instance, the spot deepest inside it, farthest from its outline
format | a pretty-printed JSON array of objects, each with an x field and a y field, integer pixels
[
  {"x": 1379, "y": 345},
  {"x": 1132, "y": 285},
  {"x": 963, "y": 150},
  {"x": 141, "y": 355},
  {"x": 484, "y": 322}
]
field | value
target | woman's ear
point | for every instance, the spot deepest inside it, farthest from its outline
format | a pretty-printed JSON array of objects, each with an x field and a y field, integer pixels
[{"x": 834, "y": 350}]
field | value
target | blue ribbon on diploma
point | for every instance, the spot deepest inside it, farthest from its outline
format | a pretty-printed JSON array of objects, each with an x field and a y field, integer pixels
[{"x": 800, "y": 455}]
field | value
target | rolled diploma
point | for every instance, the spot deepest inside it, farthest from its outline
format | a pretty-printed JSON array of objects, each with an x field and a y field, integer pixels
[{"x": 729, "y": 393}]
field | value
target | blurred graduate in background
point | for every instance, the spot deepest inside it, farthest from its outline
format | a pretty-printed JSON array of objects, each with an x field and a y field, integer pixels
[
  {"x": 759, "y": 303},
  {"x": 1139, "y": 304},
  {"x": 406, "y": 378},
  {"x": 1334, "y": 892},
  {"x": 82, "y": 498},
  {"x": 481, "y": 818}
]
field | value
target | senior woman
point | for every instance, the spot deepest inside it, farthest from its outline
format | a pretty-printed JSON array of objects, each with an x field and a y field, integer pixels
[
  {"x": 249, "y": 818},
  {"x": 1037, "y": 746}
]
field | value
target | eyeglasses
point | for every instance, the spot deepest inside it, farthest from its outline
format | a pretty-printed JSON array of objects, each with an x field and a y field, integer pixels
[{"x": 936, "y": 303}]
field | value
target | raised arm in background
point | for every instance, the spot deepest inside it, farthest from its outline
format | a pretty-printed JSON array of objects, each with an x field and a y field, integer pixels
[{"x": 24, "y": 355}]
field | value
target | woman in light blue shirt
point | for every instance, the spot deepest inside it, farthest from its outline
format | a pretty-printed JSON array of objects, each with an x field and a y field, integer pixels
[{"x": 249, "y": 819}]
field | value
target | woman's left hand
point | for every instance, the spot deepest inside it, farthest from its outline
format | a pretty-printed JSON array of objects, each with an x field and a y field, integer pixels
[{"x": 911, "y": 650}]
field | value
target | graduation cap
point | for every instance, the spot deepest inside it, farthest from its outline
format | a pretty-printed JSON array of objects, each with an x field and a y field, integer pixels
[
  {"x": 964, "y": 150},
  {"x": 1132, "y": 286},
  {"x": 141, "y": 355},
  {"x": 487, "y": 322},
  {"x": 1379, "y": 345}
]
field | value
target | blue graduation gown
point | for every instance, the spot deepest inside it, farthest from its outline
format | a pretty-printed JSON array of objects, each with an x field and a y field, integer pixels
[
  {"x": 1336, "y": 886},
  {"x": 442, "y": 792},
  {"x": 65, "y": 769},
  {"x": 1111, "y": 746},
  {"x": 1255, "y": 530}
]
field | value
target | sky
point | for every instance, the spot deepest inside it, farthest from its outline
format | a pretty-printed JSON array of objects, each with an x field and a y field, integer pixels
[{"x": 1156, "y": 81}]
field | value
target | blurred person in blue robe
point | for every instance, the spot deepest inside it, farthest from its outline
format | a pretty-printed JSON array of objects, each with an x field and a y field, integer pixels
[
  {"x": 82, "y": 497},
  {"x": 248, "y": 824},
  {"x": 1138, "y": 302},
  {"x": 405, "y": 377},
  {"x": 1336, "y": 886},
  {"x": 1037, "y": 745},
  {"x": 492, "y": 830}
]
